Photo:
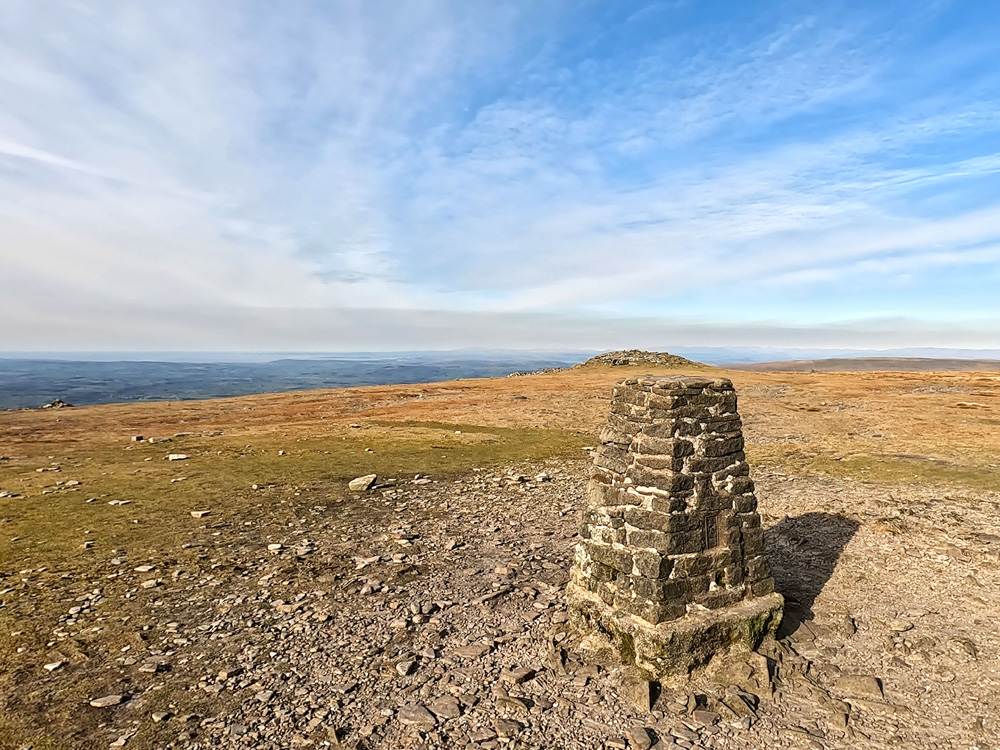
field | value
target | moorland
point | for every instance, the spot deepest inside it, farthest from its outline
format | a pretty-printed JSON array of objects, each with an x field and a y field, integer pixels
[{"x": 203, "y": 566}]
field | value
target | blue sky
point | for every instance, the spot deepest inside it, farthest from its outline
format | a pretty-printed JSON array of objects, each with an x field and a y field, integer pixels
[{"x": 362, "y": 175}]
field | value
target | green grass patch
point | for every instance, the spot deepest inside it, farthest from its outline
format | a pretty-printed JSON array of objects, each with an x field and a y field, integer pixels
[{"x": 52, "y": 529}]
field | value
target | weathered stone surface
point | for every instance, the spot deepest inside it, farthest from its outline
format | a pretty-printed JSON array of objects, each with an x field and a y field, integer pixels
[
  {"x": 416, "y": 715},
  {"x": 865, "y": 686},
  {"x": 106, "y": 701},
  {"x": 362, "y": 483},
  {"x": 671, "y": 561}
]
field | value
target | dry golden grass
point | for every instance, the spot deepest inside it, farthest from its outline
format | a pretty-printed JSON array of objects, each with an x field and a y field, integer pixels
[{"x": 895, "y": 427}]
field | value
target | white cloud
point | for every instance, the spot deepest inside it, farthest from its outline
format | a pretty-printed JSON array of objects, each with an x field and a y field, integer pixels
[{"x": 445, "y": 156}]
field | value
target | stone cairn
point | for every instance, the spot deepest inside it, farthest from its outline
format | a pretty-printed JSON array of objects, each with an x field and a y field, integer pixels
[{"x": 671, "y": 564}]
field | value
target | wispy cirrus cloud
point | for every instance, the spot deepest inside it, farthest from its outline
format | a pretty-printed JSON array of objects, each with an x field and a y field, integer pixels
[{"x": 642, "y": 159}]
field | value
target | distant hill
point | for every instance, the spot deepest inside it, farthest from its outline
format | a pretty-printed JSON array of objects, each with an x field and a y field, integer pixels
[
  {"x": 30, "y": 383},
  {"x": 638, "y": 357},
  {"x": 874, "y": 364}
]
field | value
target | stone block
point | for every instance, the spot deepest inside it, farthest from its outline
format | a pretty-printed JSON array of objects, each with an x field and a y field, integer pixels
[
  {"x": 753, "y": 542},
  {"x": 697, "y": 585},
  {"x": 613, "y": 459},
  {"x": 720, "y": 598},
  {"x": 608, "y": 534},
  {"x": 614, "y": 557},
  {"x": 666, "y": 429},
  {"x": 722, "y": 446},
  {"x": 659, "y": 463},
  {"x": 652, "y": 564},
  {"x": 602, "y": 573},
  {"x": 626, "y": 425},
  {"x": 734, "y": 575},
  {"x": 740, "y": 486},
  {"x": 673, "y": 447},
  {"x": 653, "y": 612},
  {"x": 713, "y": 502},
  {"x": 631, "y": 411},
  {"x": 600, "y": 494},
  {"x": 671, "y": 481},
  {"x": 656, "y": 590},
  {"x": 701, "y": 464},
  {"x": 632, "y": 395},
  {"x": 745, "y": 503},
  {"x": 663, "y": 402},
  {"x": 676, "y": 504},
  {"x": 616, "y": 437},
  {"x": 758, "y": 568},
  {"x": 665, "y": 522}
]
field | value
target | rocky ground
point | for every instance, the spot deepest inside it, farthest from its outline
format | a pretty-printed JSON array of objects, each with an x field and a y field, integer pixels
[{"x": 427, "y": 613}]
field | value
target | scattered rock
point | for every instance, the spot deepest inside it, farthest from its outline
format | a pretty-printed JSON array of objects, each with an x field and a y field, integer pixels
[
  {"x": 507, "y": 728},
  {"x": 361, "y": 484},
  {"x": 405, "y": 668},
  {"x": 473, "y": 651},
  {"x": 518, "y": 675},
  {"x": 641, "y": 694},
  {"x": 861, "y": 685},
  {"x": 107, "y": 701},
  {"x": 57, "y": 404},
  {"x": 416, "y": 715},
  {"x": 639, "y": 738},
  {"x": 446, "y": 707}
]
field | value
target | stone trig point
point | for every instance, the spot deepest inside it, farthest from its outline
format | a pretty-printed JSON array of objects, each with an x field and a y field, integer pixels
[{"x": 671, "y": 562}]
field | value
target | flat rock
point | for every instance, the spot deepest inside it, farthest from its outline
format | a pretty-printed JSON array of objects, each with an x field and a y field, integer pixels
[
  {"x": 705, "y": 718},
  {"x": 507, "y": 727},
  {"x": 473, "y": 650},
  {"x": 446, "y": 707},
  {"x": 106, "y": 701},
  {"x": 518, "y": 675},
  {"x": 405, "y": 668},
  {"x": 861, "y": 685},
  {"x": 484, "y": 734},
  {"x": 639, "y": 738},
  {"x": 641, "y": 694},
  {"x": 417, "y": 715},
  {"x": 362, "y": 483}
]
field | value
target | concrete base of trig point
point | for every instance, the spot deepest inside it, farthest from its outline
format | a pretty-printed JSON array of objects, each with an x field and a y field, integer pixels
[
  {"x": 679, "y": 648},
  {"x": 671, "y": 565}
]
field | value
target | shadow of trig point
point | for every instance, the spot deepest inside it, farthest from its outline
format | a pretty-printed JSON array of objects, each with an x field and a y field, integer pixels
[{"x": 671, "y": 565}]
